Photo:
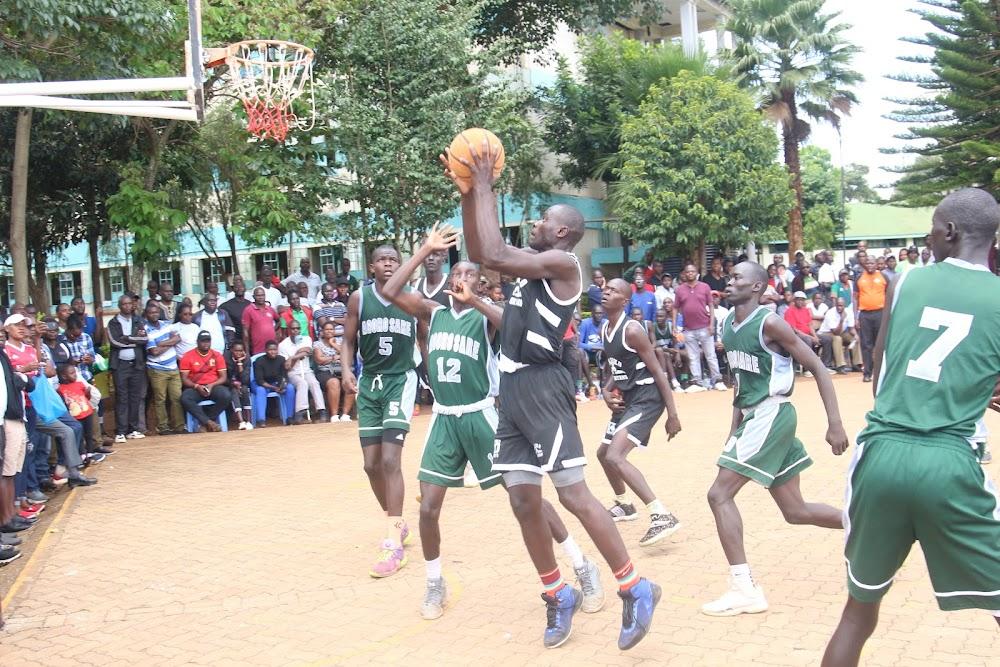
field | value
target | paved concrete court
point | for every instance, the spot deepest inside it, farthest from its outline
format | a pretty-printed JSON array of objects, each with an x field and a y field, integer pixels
[{"x": 253, "y": 549}]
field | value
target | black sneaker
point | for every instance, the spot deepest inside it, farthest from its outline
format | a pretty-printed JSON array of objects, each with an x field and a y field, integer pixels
[
  {"x": 661, "y": 527},
  {"x": 8, "y": 554},
  {"x": 623, "y": 512}
]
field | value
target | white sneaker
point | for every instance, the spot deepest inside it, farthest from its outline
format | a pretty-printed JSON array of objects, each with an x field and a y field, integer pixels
[
  {"x": 435, "y": 599},
  {"x": 694, "y": 389},
  {"x": 334, "y": 419},
  {"x": 580, "y": 398},
  {"x": 345, "y": 418},
  {"x": 737, "y": 601},
  {"x": 721, "y": 386},
  {"x": 676, "y": 386},
  {"x": 242, "y": 426},
  {"x": 249, "y": 426},
  {"x": 120, "y": 438},
  {"x": 135, "y": 435},
  {"x": 807, "y": 374}
]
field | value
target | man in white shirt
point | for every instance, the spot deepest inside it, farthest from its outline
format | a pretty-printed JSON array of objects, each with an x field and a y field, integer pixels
[
  {"x": 297, "y": 351},
  {"x": 665, "y": 290},
  {"x": 211, "y": 320},
  {"x": 817, "y": 310},
  {"x": 825, "y": 274},
  {"x": 836, "y": 332},
  {"x": 305, "y": 275}
]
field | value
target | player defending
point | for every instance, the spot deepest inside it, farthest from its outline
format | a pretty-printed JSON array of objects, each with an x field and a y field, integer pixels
[
  {"x": 538, "y": 433},
  {"x": 762, "y": 445},
  {"x": 464, "y": 379},
  {"x": 915, "y": 473},
  {"x": 387, "y": 387},
  {"x": 637, "y": 391}
]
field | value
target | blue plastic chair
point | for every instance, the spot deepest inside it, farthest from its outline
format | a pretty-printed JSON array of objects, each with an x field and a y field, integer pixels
[
  {"x": 271, "y": 394},
  {"x": 192, "y": 423}
]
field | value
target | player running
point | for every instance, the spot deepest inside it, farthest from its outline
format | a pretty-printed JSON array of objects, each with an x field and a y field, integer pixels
[
  {"x": 761, "y": 348},
  {"x": 464, "y": 379},
  {"x": 386, "y": 339},
  {"x": 538, "y": 433},
  {"x": 636, "y": 391},
  {"x": 915, "y": 473}
]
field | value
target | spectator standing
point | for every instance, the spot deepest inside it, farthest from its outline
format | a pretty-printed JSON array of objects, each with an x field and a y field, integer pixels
[
  {"x": 168, "y": 301},
  {"x": 507, "y": 285},
  {"x": 665, "y": 290},
  {"x": 843, "y": 288},
  {"x": 590, "y": 334},
  {"x": 693, "y": 302},
  {"x": 345, "y": 274},
  {"x": 275, "y": 288},
  {"x": 329, "y": 371},
  {"x": 186, "y": 328},
  {"x": 890, "y": 268},
  {"x": 305, "y": 275},
  {"x": 259, "y": 320},
  {"x": 296, "y": 312},
  {"x": 432, "y": 285},
  {"x": 152, "y": 290},
  {"x": 773, "y": 281},
  {"x": 825, "y": 274},
  {"x": 343, "y": 291},
  {"x": 870, "y": 298},
  {"x": 127, "y": 337},
  {"x": 835, "y": 333},
  {"x": 62, "y": 312},
  {"x": 329, "y": 309},
  {"x": 910, "y": 261},
  {"x": 216, "y": 322},
  {"x": 234, "y": 305},
  {"x": 162, "y": 343},
  {"x": 570, "y": 358},
  {"x": 643, "y": 299},
  {"x": 93, "y": 325},
  {"x": 297, "y": 351},
  {"x": 13, "y": 386},
  {"x": 716, "y": 278},
  {"x": 597, "y": 282},
  {"x": 238, "y": 375},
  {"x": 270, "y": 375},
  {"x": 805, "y": 282},
  {"x": 81, "y": 348},
  {"x": 203, "y": 373},
  {"x": 54, "y": 348},
  {"x": 640, "y": 284}
]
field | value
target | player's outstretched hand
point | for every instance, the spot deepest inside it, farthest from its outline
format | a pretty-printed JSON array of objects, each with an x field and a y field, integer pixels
[
  {"x": 837, "y": 437},
  {"x": 348, "y": 381},
  {"x": 462, "y": 293},
  {"x": 614, "y": 401},
  {"x": 673, "y": 426},
  {"x": 464, "y": 185},
  {"x": 441, "y": 237}
]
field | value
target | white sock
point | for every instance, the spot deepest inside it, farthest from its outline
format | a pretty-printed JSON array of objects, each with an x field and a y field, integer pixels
[
  {"x": 434, "y": 568},
  {"x": 573, "y": 552},
  {"x": 623, "y": 498},
  {"x": 741, "y": 575},
  {"x": 656, "y": 507}
]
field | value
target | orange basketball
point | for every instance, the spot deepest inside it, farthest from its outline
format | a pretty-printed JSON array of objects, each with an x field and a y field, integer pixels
[{"x": 474, "y": 137}]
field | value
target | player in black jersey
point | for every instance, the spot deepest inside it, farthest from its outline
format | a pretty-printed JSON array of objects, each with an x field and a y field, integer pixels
[
  {"x": 538, "y": 433},
  {"x": 637, "y": 391}
]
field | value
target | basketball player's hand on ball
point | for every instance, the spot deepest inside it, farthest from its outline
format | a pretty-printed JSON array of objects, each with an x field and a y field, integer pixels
[
  {"x": 464, "y": 184},
  {"x": 673, "y": 426},
  {"x": 442, "y": 237},
  {"x": 837, "y": 437},
  {"x": 461, "y": 293}
]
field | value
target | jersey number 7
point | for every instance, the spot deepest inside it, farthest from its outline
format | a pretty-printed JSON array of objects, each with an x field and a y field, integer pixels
[{"x": 956, "y": 327}]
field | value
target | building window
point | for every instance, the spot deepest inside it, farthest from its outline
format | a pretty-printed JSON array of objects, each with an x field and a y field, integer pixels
[
  {"x": 215, "y": 270},
  {"x": 64, "y": 286},
  {"x": 276, "y": 261},
  {"x": 329, "y": 257},
  {"x": 171, "y": 273},
  {"x": 8, "y": 292},
  {"x": 113, "y": 282}
]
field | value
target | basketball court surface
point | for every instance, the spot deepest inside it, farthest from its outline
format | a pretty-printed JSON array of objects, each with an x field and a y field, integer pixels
[{"x": 254, "y": 548}]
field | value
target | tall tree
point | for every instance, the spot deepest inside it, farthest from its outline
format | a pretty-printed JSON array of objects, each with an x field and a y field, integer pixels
[
  {"x": 698, "y": 167},
  {"x": 953, "y": 129},
  {"x": 798, "y": 59},
  {"x": 856, "y": 187},
  {"x": 823, "y": 215}
]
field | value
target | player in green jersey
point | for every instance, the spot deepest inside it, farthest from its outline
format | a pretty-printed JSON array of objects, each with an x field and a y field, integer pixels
[
  {"x": 463, "y": 376},
  {"x": 386, "y": 339},
  {"x": 915, "y": 473},
  {"x": 762, "y": 446}
]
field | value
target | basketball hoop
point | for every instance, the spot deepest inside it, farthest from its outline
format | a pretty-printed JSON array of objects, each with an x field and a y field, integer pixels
[{"x": 269, "y": 75}]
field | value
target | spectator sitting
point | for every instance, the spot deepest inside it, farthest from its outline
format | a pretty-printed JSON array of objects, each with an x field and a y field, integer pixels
[
  {"x": 784, "y": 277},
  {"x": 297, "y": 351},
  {"x": 495, "y": 293},
  {"x": 590, "y": 334},
  {"x": 62, "y": 312},
  {"x": 800, "y": 319},
  {"x": 186, "y": 328},
  {"x": 665, "y": 290},
  {"x": 216, "y": 322},
  {"x": 298, "y": 313},
  {"x": 238, "y": 374},
  {"x": 270, "y": 375},
  {"x": 77, "y": 396},
  {"x": 805, "y": 282},
  {"x": 329, "y": 309},
  {"x": 836, "y": 333},
  {"x": 817, "y": 310},
  {"x": 162, "y": 342},
  {"x": 343, "y": 291},
  {"x": 667, "y": 354},
  {"x": 203, "y": 372},
  {"x": 326, "y": 354}
]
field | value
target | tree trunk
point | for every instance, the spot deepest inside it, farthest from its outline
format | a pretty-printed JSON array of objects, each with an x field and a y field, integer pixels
[
  {"x": 95, "y": 266},
  {"x": 39, "y": 284},
  {"x": 19, "y": 204},
  {"x": 791, "y": 145},
  {"x": 231, "y": 238}
]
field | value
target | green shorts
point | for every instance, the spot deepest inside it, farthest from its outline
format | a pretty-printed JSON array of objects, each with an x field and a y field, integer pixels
[
  {"x": 454, "y": 439},
  {"x": 385, "y": 403},
  {"x": 764, "y": 447},
  {"x": 932, "y": 490}
]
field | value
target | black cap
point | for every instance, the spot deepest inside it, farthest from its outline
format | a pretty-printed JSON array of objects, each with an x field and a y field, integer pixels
[{"x": 204, "y": 335}]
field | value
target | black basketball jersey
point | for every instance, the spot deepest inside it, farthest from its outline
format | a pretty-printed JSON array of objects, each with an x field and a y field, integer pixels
[
  {"x": 534, "y": 322},
  {"x": 435, "y": 293},
  {"x": 627, "y": 369}
]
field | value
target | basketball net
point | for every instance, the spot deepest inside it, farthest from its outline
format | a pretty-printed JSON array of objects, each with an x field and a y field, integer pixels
[{"x": 269, "y": 75}]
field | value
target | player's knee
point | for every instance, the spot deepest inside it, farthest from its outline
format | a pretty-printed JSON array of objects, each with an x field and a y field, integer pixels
[
  {"x": 373, "y": 468},
  {"x": 524, "y": 506},
  {"x": 614, "y": 456},
  {"x": 429, "y": 510},
  {"x": 797, "y": 514},
  {"x": 718, "y": 496},
  {"x": 390, "y": 465}
]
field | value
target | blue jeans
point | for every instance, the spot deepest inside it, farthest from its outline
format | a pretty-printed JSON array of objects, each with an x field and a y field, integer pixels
[
  {"x": 260, "y": 402},
  {"x": 698, "y": 341}
]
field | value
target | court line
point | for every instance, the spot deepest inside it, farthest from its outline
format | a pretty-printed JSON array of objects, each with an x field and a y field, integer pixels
[{"x": 49, "y": 531}]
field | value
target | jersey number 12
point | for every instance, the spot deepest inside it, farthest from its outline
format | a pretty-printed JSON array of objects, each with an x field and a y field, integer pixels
[
  {"x": 956, "y": 327},
  {"x": 453, "y": 374}
]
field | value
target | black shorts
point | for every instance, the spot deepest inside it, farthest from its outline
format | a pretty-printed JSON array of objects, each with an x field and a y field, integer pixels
[
  {"x": 643, "y": 408},
  {"x": 537, "y": 430}
]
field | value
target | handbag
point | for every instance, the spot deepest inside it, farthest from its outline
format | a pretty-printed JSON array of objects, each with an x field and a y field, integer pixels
[{"x": 47, "y": 403}]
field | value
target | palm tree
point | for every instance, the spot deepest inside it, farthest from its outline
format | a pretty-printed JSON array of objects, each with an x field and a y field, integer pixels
[{"x": 797, "y": 58}]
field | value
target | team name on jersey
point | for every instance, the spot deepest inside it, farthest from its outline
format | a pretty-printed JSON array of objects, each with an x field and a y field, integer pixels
[
  {"x": 616, "y": 369},
  {"x": 387, "y": 325},
  {"x": 515, "y": 297},
  {"x": 743, "y": 361},
  {"x": 443, "y": 341}
]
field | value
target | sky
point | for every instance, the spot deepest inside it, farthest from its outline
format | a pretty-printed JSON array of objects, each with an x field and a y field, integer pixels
[{"x": 876, "y": 27}]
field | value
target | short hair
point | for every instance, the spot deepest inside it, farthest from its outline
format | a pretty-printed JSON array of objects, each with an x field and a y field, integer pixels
[
  {"x": 973, "y": 211},
  {"x": 271, "y": 343},
  {"x": 74, "y": 321},
  {"x": 384, "y": 246},
  {"x": 570, "y": 217},
  {"x": 62, "y": 372},
  {"x": 122, "y": 298},
  {"x": 754, "y": 272}
]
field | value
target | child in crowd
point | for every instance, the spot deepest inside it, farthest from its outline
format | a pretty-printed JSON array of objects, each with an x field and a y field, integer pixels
[
  {"x": 76, "y": 395},
  {"x": 238, "y": 365}
]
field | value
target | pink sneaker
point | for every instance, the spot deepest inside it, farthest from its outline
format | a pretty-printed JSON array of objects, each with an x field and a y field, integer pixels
[
  {"x": 405, "y": 538},
  {"x": 391, "y": 560}
]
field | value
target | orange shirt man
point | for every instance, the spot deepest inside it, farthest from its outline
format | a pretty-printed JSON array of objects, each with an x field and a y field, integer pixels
[{"x": 870, "y": 297}]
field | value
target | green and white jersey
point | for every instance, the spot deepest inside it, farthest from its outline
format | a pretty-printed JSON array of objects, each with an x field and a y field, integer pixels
[
  {"x": 942, "y": 353},
  {"x": 461, "y": 366},
  {"x": 759, "y": 372},
  {"x": 387, "y": 336}
]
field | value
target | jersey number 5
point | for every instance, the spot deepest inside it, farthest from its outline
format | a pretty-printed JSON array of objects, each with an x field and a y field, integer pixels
[
  {"x": 385, "y": 346},
  {"x": 956, "y": 327}
]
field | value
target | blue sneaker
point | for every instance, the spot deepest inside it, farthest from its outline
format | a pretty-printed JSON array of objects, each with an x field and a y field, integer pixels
[
  {"x": 638, "y": 604},
  {"x": 559, "y": 615}
]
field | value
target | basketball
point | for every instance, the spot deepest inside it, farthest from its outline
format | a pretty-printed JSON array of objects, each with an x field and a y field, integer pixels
[{"x": 473, "y": 137}]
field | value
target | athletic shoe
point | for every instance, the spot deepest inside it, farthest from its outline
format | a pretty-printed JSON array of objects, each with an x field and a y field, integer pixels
[
  {"x": 391, "y": 559},
  {"x": 334, "y": 419},
  {"x": 242, "y": 426},
  {"x": 405, "y": 536},
  {"x": 248, "y": 426},
  {"x": 676, "y": 386},
  {"x": 694, "y": 389},
  {"x": 588, "y": 578},
  {"x": 866, "y": 378},
  {"x": 660, "y": 526},
  {"x": 987, "y": 456},
  {"x": 9, "y": 540},
  {"x": 9, "y": 555},
  {"x": 559, "y": 610},
  {"x": 435, "y": 598},
  {"x": 623, "y": 512},
  {"x": 36, "y": 497},
  {"x": 638, "y": 605},
  {"x": 345, "y": 418},
  {"x": 321, "y": 415},
  {"x": 34, "y": 507},
  {"x": 737, "y": 601},
  {"x": 104, "y": 450},
  {"x": 134, "y": 435},
  {"x": 721, "y": 386},
  {"x": 96, "y": 458},
  {"x": 843, "y": 370},
  {"x": 25, "y": 514},
  {"x": 807, "y": 374},
  {"x": 120, "y": 439}
]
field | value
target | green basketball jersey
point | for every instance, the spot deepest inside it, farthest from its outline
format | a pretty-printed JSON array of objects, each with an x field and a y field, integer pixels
[
  {"x": 461, "y": 366},
  {"x": 759, "y": 372},
  {"x": 387, "y": 336},
  {"x": 942, "y": 353}
]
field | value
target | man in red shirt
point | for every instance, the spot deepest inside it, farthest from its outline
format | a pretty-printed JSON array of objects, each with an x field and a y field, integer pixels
[
  {"x": 203, "y": 372},
  {"x": 799, "y": 318},
  {"x": 693, "y": 300},
  {"x": 258, "y": 322}
]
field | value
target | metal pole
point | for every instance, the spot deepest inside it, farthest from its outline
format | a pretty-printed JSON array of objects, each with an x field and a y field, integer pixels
[
  {"x": 96, "y": 86},
  {"x": 843, "y": 206}
]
